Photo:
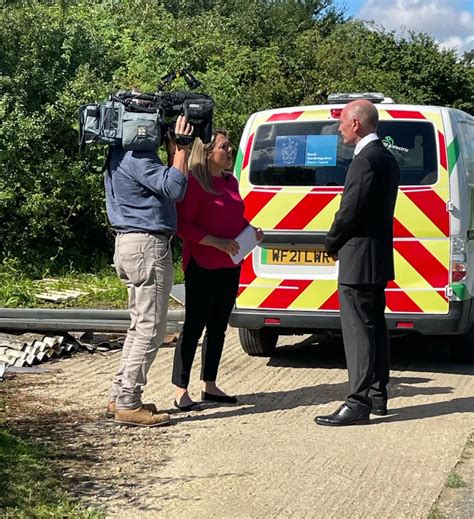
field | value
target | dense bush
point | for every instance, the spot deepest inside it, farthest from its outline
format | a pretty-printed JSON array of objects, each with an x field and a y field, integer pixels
[{"x": 248, "y": 55}]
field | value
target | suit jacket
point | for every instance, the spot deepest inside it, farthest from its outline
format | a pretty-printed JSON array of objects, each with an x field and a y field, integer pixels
[{"x": 362, "y": 232}]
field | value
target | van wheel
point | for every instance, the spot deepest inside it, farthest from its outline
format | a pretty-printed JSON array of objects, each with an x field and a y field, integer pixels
[{"x": 258, "y": 343}]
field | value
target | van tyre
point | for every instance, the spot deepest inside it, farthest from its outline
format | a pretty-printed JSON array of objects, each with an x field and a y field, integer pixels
[
  {"x": 462, "y": 346},
  {"x": 258, "y": 343}
]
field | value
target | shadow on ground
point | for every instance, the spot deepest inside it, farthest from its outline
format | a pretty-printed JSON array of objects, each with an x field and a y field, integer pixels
[
  {"x": 321, "y": 394},
  {"x": 411, "y": 352},
  {"x": 83, "y": 446}
]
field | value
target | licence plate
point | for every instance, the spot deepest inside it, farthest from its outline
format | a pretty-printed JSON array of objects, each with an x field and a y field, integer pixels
[{"x": 316, "y": 257}]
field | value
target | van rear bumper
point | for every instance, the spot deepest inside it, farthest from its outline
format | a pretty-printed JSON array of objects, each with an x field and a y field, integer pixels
[{"x": 457, "y": 321}]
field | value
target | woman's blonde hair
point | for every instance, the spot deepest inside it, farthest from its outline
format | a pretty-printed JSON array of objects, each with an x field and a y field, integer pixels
[{"x": 197, "y": 162}]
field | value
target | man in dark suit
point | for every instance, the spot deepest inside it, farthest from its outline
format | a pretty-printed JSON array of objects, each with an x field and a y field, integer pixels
[{"x": 361, "y": 237}]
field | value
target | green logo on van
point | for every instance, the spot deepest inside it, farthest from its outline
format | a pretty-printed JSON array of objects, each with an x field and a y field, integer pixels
[{"x": 389, "y": 143}]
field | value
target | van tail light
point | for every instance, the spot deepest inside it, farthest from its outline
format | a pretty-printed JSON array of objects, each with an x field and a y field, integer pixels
[
  {"x": 458, "y": 259},
  {"x": 336, "y": 113},
  {"x": 458, "y": 270}
]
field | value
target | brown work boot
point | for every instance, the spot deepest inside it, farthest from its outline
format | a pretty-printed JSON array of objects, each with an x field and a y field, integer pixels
[
  {"x": 141, "y": 417},
  {"x": 110, "y": 413}
]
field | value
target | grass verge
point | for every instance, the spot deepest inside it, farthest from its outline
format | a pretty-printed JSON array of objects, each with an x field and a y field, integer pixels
[
  {"x": 102, "y": 290},
  {"x": 455, "y": 499},
  {"x": 30, "y": 488}
]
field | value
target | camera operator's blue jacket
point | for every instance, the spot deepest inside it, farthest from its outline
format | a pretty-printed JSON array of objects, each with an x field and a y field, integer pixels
[{"x": 141, "y": 192}]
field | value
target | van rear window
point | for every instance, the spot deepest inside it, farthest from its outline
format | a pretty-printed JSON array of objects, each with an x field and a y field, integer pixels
[{"x": 313, "y": 154}]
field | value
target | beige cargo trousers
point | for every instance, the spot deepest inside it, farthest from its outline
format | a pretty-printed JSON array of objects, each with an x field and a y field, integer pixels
[{"x": 144, "y": 263}]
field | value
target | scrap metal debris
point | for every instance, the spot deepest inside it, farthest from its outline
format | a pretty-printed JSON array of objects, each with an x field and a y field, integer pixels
[
  {"x": 27, "y": 349},
  {"x": 20, "y": 352},
  {"x": 102, "y": 342}
]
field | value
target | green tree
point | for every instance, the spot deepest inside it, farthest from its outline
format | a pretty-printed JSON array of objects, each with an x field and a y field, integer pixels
[{"x": 249, "y": 56}]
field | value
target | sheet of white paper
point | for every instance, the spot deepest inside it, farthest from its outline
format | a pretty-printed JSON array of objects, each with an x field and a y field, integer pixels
[{"x": 247, "y": 242}]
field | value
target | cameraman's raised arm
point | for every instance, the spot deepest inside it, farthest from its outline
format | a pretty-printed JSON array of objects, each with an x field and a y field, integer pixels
[
  {"x": 169, "y": 181},
  {"x": 177, "y": 153}
]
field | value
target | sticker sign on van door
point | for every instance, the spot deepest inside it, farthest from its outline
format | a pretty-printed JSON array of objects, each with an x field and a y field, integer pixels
[
  {"x": 321, "y": 150},
  {"x": 290, "y": 150},
  {"x": 305, "y": 150}
]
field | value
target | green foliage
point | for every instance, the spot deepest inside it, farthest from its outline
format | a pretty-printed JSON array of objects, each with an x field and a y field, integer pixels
[
  {"x": 47, "y": 200},
  {"x": 356, "y": 57},
  {"x": 435, "y": 513},
  {"x": 16, "y": 290},
  {"x": 100, "y": 290},
  {"x": 455, "y": 481},
  {"x": 249, "y": 55},
  {"x": 30, "y": 488}
]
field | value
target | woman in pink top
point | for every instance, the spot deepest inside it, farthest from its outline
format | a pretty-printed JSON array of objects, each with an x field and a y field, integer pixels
[{"x": 209, "y": 218}]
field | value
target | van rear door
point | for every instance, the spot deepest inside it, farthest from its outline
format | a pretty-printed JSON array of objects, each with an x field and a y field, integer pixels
[{"x": 292, "y": 166}]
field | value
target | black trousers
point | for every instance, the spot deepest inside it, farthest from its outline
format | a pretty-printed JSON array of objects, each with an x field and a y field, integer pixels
[
  {"x": 209, "y": 298},
  {"x": 366, "y": 343}
]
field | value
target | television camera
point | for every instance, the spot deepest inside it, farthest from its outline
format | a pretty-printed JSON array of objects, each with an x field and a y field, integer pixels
[{"x": 140, "y": 121}]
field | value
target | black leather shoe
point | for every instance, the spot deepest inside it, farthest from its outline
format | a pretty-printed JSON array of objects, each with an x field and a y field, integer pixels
[
  {"x": 379, "y": 409},
  {"x": 222, "y": 399},
  {"x": 344, "y": 416},
  {"x": 191, "y": 407}
]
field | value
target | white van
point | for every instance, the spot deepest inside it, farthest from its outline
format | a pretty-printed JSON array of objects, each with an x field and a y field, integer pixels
[{"x": 291, "y": 167}]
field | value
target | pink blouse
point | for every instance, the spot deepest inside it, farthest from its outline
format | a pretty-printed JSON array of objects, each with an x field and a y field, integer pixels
[{"x": 202, "y": 213}]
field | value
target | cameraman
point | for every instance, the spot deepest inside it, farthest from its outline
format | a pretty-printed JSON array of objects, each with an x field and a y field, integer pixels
[{"x": 140, "y": 196}]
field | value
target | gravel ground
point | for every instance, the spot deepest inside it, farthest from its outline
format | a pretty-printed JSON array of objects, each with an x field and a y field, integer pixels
[{"x": 264, "y": 457}]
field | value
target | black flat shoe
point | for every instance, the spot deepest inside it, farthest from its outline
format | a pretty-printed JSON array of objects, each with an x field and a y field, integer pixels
[
  {"x": 222, "y": 399},
  {"x": 191, "y": 407},
  {"x": 345, "y": 416}
]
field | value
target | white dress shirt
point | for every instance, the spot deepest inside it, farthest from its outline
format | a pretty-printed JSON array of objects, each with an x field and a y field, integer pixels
[{"x": 364, "y": 141}]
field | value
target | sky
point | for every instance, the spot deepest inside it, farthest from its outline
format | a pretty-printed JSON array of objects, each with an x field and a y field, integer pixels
[{"x": 449, "y": 22}]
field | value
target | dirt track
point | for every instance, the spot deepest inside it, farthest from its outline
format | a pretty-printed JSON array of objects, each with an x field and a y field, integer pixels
[{"x": 265, "y": 457}]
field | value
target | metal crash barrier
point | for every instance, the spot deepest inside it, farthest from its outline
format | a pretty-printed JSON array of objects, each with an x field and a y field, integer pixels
[{"x": 77, "y": 320}]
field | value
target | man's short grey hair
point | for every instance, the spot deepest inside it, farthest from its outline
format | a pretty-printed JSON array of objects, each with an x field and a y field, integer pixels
[{"x": 366, "y": 113}]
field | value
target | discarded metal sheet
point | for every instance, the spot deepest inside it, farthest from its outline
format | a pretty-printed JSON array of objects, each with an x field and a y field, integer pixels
[
  {"x": 178, "y": 293},
  {"x": 60, "y": 296},
  {"x": 41, "y": 356},
  {"x": 15, "y": 370},
  {"x": 99, "y": 341},
  {"x": 26, "y": 349},
  {"x": 15, "y": 354}
]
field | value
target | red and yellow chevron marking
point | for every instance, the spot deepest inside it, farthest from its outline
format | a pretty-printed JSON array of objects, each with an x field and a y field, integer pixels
[{"x": 421, "y": 233}]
